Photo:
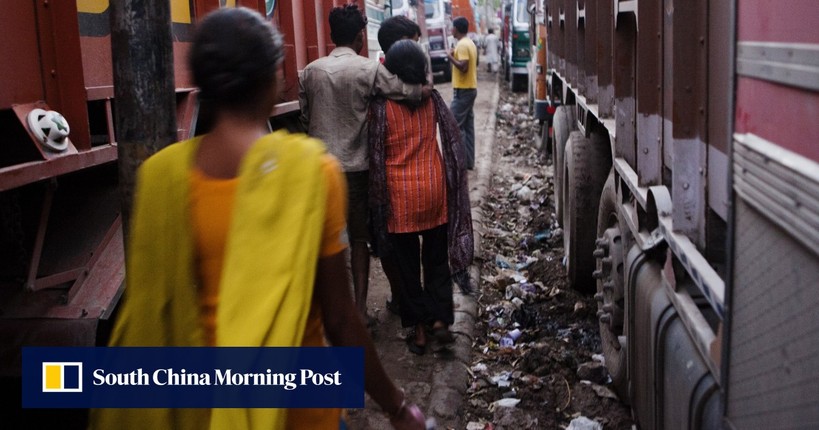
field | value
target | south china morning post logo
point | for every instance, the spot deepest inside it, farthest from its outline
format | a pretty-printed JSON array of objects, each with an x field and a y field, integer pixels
[
  {"x": 65, "y": 377},
  {"x": 193, "y": 377}
]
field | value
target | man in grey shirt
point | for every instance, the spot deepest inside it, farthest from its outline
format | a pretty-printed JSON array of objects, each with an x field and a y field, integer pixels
[{"x": 334, "y": 95}]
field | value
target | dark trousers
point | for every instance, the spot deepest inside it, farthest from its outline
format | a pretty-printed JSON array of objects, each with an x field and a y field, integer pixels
[
  {"x": 463, "y": 100},
  {"x": 431, "y": 301}
]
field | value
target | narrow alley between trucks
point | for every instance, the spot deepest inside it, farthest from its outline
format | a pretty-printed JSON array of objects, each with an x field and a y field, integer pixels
[
  {"x": 527, "y": 354},
  {"x": 535, "y": 361}
]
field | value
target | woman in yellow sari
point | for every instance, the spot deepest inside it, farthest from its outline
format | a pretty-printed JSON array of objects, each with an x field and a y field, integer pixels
[{"x": 237, "y": 239}]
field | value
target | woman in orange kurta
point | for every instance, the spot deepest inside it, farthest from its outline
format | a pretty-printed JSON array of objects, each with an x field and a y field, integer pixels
[{"x": 412, "y": 185}]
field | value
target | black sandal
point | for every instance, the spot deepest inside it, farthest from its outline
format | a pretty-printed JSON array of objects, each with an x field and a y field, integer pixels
[
  {"x": 443, "y": 335},
  {"x": 414, "y": 347}
]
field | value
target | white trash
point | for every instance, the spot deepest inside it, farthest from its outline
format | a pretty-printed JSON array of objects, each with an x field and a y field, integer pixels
[{"x": 583, "y": 423}]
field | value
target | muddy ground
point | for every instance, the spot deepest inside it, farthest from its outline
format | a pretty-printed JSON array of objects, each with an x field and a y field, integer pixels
[{"x": 536, "y": 361}]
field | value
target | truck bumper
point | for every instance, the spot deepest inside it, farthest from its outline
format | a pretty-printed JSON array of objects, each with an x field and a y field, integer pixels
[{"x": 440, "y": 65}]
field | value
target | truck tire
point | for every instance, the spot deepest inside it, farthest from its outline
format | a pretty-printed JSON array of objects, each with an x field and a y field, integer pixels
[
  {"x": 610, "y": 275},
  {"x": 542, "y": 140},
  {"x": 562, "y": 124},
  {"x": 587, "y": 164}
]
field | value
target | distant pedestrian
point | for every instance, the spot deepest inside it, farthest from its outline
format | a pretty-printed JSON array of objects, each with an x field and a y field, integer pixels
[
  {"x": 237, "y": 239},
  {"x": 334, "y": 94},
  {"x": 419, "y": 200},
  {"x": 464, "y": 59},
  {"x": 491, "y": 50}
]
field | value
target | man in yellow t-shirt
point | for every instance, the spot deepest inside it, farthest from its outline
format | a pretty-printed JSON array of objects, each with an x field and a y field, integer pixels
[{"x": 464, "y": 59}]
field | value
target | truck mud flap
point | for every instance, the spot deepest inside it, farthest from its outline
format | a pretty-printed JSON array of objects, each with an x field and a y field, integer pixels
[{"x": 670, "y": 385}]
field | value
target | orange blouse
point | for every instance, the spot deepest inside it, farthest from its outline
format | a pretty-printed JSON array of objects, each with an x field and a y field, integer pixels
[
  {"x": 211, "y": 203},
  {"x": 414, "y": 168}
]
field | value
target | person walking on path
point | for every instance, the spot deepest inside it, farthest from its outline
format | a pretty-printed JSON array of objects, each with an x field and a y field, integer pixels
[
  {"x": 464, "y": 59},
  {"x": 419, "y": 200},
  {"x": 334, "y": 95},
  {"x": 393, "y": 29},
  {"x": 491, "y": 50},
  {"x": 237, "y": 239}
]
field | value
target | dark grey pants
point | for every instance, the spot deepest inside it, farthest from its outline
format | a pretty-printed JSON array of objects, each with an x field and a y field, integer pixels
[{"x": 462, "y": 102}]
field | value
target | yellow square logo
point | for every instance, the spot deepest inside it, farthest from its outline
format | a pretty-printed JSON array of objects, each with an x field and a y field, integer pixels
[{"x": 63, "y": 377}]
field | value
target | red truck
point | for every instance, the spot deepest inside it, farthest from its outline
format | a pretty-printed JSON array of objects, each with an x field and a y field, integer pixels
[
  {"x": 686, "y": 159},
  {"x": 61, "y": 252},
  {"x": 464, "y": 8}
]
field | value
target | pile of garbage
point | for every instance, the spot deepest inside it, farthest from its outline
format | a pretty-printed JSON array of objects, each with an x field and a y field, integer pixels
[{"x": 535, "y": 361}]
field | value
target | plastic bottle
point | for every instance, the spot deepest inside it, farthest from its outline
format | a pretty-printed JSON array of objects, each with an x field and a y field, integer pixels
[{"x": 508, "y": 340}]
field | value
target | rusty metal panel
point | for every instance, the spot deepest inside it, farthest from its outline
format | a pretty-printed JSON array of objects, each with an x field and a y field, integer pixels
[
  {"x": 668, "y": 84},
  {"x": 97, "y": 67},
  {"x": 202, "y": 7},
  {"x": 62, "y": 69},
  {"x": 299, "y": 33},
  {"x": 720, "y": 72},
  {"x": 591, "y": 40},
  {"x": 258, "y": 5},
  {"x": 580, "y": 24},
  {"x": 560, "y": 37},
  {"x": 95, "y": 43},
  {"x": 720, "y": 106},
  {"x": 284, "y": 16},
  {"x": 95, "y": 46},
  {"x": 625, "y": 43},
  {"x": 690, "y": 80},
  {"x": 21, "y": 174},
  {"x": 316, "y": 46},
  {"x": 556, "y": 33},
  {"x": 650, "y": 93},
  {"x": 572, "y": 46},
  {"x": 18, "y": 18},
  {"x": 327, "y": 6},
  {"x": 311, "y": 36},
  {"x": 605, "y": 47},
  {"x": 549, "y": 34}
]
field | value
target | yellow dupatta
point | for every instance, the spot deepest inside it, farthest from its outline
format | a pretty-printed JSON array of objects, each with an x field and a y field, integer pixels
[{"x": 267, "y": 278}]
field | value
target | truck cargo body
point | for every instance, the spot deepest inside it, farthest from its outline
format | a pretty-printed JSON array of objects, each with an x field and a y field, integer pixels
[
  {"x": 438, "y": 19},
  {"x": 61, "y": 246},
  {"x": 435, "y": 31},
  {"x": 685, "y": 156},
  {"x": 376, "y": 14},
  {"x": 515, "y": 50},
  {"x": 465, "y": 9}
]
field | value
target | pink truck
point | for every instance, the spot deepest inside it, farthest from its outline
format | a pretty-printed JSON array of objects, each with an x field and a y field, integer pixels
[{"x": 686, "y": 157}]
